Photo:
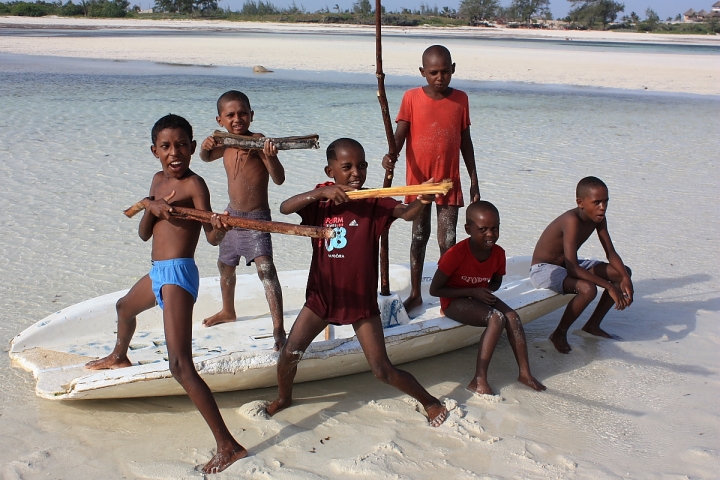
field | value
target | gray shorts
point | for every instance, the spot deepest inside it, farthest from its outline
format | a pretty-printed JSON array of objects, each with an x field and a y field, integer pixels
[
  {"x": 240, "y": 242},
  {"x": 547, "y": 275}
]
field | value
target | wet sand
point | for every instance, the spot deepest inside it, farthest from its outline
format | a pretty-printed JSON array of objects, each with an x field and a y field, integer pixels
[{"x": 351, "y": 49}]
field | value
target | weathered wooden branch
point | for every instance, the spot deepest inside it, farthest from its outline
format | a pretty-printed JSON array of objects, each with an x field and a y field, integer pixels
[
  {"x": 441, "y": 188},
  {"x": 392, "y": 148},
  {"x": 257, "y": 143},
  {"x": 236, "y": 222}
]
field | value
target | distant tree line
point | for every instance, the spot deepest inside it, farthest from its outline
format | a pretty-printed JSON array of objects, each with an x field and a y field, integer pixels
[
  {"x": 86, "y": 8},
  {"x": 583, "y": 14}
]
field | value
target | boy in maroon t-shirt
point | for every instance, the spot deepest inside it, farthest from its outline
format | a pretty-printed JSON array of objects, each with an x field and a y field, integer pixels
[
  {"x": 467, "y": 275},
  {"x": 342, "y": 285}
]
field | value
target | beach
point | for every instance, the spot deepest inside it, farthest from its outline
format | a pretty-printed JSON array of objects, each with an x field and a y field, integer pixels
[{"x": 78, "y": 98}]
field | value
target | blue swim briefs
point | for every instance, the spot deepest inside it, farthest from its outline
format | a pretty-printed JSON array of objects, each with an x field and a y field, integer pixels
[{"x": 178, "y": 271}]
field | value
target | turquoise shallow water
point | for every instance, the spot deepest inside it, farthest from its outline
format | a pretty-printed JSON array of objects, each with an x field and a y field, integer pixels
[{"x": 74, "y": 139}]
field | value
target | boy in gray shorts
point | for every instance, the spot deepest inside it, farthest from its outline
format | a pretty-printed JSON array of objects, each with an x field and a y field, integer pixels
[
  {"x": 555, "y": 264},
  {"x": 248, "y": 173}
]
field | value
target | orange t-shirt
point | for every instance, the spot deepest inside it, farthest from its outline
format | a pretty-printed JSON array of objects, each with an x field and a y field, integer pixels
[{"x": 433, "y": 141}]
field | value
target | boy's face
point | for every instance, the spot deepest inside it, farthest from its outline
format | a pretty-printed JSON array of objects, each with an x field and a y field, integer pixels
[
  {"x": 438, "y": 71},
  {"x": 174, "y": 149},
  {"x": 594, "y": 204},
  {"x": 484, "y": 229},
  {"x": 235, "y": 116},
  {"x": 350, "y": 167}
]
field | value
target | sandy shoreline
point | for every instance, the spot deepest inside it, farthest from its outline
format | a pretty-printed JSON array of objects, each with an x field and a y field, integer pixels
[{"x": 278, "y": 46}]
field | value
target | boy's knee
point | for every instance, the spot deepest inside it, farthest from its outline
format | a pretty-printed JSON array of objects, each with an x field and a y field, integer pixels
[
  {"x": 180, "y": 368},
  {"x": 586, "y": 289},
  {"x": 497, "y": 318},
  {"x": 291, "y": 354},
  {"x": 382, "y": 372}
]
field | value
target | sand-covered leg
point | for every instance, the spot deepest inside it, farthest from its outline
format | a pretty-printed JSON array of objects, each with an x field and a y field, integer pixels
[
  {"x": 228, "y": 280},
  {"x": 447, "y": 218},
  {"x": 370, "y": 335},
  {"x": 585, "y": 292},
  {"x": 518, "y": 343},
  {"x": 304, "y": 330},
  {"x": 138, "y": 299},
  {"x": 478, "y": 314},
  {"x": 273, "y": 293},
  {"x": 420, "y": 235},
  {"x": 177, "y": 319}
]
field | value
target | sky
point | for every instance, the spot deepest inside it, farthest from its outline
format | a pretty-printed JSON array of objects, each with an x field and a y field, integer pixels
[{"x": 559, "y": 8}]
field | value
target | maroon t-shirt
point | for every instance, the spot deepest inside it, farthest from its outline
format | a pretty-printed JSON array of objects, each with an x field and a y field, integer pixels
[{"x": 343, "y": 279}]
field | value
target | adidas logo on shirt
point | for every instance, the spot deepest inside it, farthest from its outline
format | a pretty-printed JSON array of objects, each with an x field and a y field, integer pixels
[{"x": 353, "y": 224}]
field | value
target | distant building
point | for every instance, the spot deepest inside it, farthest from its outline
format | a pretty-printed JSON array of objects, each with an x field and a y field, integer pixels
[
  {"x": 150, "y": 10},
  {"x": 702, "y": 16}
]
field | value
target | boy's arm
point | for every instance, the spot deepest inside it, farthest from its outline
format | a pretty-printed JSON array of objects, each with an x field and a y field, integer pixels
[
  {"x": 401, "y": 132},
  {"x": 410, "y": 211},
  {"x": 335, "y": 193},
  {"x": 217, "y": 228},
  {"x": 210, "y": 150},
  {"x": 468, "y": 153},
  {"x": 155, "y": 210},
  {"x": 570, "y": 248},
  {"x": 272, "y": 162},
  {"x": 439, "y": 288},
  {"x": 616, "y": 262}
]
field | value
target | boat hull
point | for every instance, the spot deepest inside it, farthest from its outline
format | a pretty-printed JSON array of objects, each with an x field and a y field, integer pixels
[{"x": 239, "y": 356}]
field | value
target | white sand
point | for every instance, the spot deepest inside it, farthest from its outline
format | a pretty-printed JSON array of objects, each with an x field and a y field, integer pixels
[
  {"x": 316, "y": 50},
  {"x": 643, "y": 408}
]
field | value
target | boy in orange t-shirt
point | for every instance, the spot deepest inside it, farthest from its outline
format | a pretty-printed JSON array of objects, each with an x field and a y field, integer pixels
[{"x": 435, "y": 120}]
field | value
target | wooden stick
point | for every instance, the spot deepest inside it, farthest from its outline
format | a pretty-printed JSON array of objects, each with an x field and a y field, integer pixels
[
  {"x": 236, "y": 222},
  {"x": 441, "y": 188},
  {"x": 257, "y": 143},
  {"x": 392, "y": 148}
]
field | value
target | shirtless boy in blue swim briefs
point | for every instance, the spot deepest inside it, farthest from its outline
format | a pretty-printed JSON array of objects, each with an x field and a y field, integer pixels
[
  {"x": 173, "y": 279},
  {"x": 555, "y": 264}
]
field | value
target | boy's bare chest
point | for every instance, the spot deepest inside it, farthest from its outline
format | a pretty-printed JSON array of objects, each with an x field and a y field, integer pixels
[{"x": 245, "y": 167}]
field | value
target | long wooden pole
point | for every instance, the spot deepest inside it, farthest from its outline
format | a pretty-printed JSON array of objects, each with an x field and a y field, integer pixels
[
  {"x": 392, "y": 149},
  {"x": 236, "y": 222}
]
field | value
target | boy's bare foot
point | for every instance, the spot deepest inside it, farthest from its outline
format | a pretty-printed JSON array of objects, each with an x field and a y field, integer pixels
[
  {"x": 412, "y": 302},
  {"x": 437, "y": 414},
  {"x": 111, "y": 362},
  {"x": 220, "y": 317},
  {"x": 599, "y": 332},
  {"x": 277, "y": 405},
  {"x": 223, "y": 460},
  {"x": 532, "y": 382},
  {"x": 480, "y": 386},
  {"x": 560, "y": 342}
]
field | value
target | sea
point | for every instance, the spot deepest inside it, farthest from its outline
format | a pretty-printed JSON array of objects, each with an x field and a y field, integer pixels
[{"x": 75, "y": 149}]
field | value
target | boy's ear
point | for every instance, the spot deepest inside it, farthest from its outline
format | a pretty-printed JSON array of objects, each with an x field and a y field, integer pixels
[
  {"x": 467, "y": 229},
  {"x": 154, "y": 151},
  {"x": 252, "y": 115},
  {"x": 422, "y": 71},
  {"x": 217, "y": 119},
  {"x": 193, "y": 146},
  {"x": 329, "y": 172},
  {"x": 579, "y": 202},
  {"x": 453, "y": 68}
]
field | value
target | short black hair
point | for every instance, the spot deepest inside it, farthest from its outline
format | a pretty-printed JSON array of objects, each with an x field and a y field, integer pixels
[
  {"x": 480, "y": 206},
  {"x": 171, "y": 121},
  {"x": 586, "y": 184},
  {"x": 339, "y": 144},
  {"x": 438, "y": 50},
  {"x": 230, "y": 96}
]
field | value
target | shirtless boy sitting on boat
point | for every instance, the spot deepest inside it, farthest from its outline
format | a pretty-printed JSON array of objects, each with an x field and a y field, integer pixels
[
  {"x": 342, "y": 285},
  {"x": 466, "y": 277},
  {"x": 555, "y": 264},
  {"x": 173, "y": 280},
  {"x": 248, "y": 173}
]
